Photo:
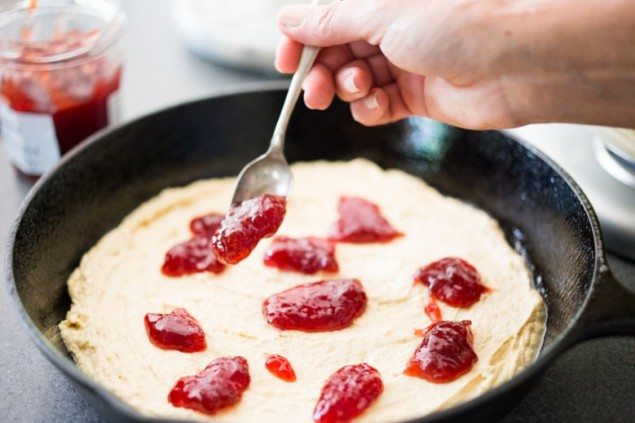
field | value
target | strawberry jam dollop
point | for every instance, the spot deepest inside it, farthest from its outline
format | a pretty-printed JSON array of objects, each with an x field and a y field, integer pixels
[
  {"x": 205, "y": 226},
  {"x": 220, "y": 385},
  {"x": 304, "y": 255},
  {"x": 445, "y": 354},
  {"x": 280, "y": 367},
  {"x": 347, "y": 393},
  {"x": 315, "y": 307},
  {"x": 453, "y": 281},
  {"x": 193, "y": 256},
  {"x": 175, "y": 331},
  {"x": 245, "y": 225},
  {"x": 361, "y": 221}
]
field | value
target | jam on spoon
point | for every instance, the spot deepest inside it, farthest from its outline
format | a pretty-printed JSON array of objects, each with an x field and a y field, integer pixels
[
  {"x": 361, "y": 222},
  {"x": 445, "y": 354},
  {"x": 347, "y": 393},
  {"x": 175, "y": 331},
  {"x": 280, "y": 367},
  {"x": 304, "y": 255},
  {"x": 316, "y": 307},
  {"x": 245, "y": 225},
  {"x": 453, "y": 281},
  {"x": 220, "y": 385}
]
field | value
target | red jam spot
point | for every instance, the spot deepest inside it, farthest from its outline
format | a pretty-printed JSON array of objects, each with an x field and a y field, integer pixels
[
  {"x": 433, "y": 311},
  {"x": 419, "y": 332},
  {"x": 247, "y": 224},
  {"x": 219, "y": 385},
  {"x": 347, "y": 393},
  {"x": 445, "y": 354},
  {"x": 193, "y": 256},
  {"x": 305, "y": 255},
  {"x": 280, "y": 367},
  {"x": 315, "y": 307},
  {"x": 175, "y": 331},
  {"x": 361, "y": 222},
  {"x": 453, "y": 281},
  {"x": 206, "y": 226}
]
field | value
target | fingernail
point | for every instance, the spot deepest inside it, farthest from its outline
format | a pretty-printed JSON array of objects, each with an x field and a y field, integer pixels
[
  {"x": 370, "y": 102},
  {"x": 349, "y": 82},
  {"x": 291, "y": 16}
]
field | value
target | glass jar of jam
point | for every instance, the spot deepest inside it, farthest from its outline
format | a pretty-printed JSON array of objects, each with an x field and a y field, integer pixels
[{"x": 60, "y": 69}]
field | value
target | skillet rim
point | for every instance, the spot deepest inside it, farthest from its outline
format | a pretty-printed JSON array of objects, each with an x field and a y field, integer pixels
[{"x": 563, "y": 341}]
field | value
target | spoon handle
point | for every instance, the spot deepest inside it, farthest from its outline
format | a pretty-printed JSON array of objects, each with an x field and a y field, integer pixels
[{"x": 309, "y": 53}]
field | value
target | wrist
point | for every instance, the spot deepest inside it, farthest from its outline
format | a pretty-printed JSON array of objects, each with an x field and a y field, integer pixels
[{"x": 567, "y": 61}]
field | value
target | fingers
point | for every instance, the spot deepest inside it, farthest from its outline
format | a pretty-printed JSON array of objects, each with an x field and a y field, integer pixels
[
  {"x": 362, "y": 49},
  {"x": 412, "y": 90},
  {"x": 319, "y": 87},
  {"x": 379, "y": 66},
  {"x": 380, "y": 106},
  {"x": 348, "y": 69},
  {"x": 335, "y": 23},
  {"x": 334, "y": 57},
  {"x": 351, "y": 63},
  {"x": 350, "y": 82},
  {"x": 353, "y": 81},
  {"x": 350, "y": 79},
  {"x": 287, "y": 55},
  {"x": 398, "y": 108},
  {"x": 372, "y": 109}
]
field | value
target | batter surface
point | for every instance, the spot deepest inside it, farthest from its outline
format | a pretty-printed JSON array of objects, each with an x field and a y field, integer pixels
[{"x": 119, "y": 281}]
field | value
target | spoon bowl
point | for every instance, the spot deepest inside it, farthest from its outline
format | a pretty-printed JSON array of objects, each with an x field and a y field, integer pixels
[{"x": 267, "y": 174}]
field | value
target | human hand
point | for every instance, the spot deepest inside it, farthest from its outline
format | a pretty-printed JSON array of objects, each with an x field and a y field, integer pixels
[
  {"x": 471, "y": 63},
  {"x": 391, "y": 59}
]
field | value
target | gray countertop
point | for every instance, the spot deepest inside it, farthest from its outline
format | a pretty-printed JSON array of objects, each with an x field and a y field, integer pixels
[{"x": 594, "y": 381}]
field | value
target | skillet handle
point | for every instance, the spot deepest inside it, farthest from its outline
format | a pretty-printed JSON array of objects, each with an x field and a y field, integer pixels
[{"x": 610, "y": 309}]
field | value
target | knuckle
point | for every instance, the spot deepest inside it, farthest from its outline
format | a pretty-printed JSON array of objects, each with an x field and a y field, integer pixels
[{"x": 324, "y": 23}]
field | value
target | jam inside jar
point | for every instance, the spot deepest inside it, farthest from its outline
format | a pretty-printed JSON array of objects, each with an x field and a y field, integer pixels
[{"x": 60, "y": 70}]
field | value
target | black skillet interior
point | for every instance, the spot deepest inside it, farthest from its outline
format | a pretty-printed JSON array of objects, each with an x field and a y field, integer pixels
[{"x": 102, "y": 182}]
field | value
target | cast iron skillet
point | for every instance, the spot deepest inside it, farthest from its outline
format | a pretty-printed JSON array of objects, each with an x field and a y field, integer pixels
[{"x": 544, "y": 212}]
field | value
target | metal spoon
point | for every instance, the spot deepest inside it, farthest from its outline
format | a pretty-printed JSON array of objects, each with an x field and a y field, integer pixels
[{"x": 270, "y": 173}]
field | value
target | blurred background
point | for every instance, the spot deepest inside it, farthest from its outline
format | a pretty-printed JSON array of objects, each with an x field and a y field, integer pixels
[{"x": 194, "y": 48}]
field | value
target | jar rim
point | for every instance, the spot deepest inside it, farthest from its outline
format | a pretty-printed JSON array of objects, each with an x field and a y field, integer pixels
[{"x": 105, "y": 36}]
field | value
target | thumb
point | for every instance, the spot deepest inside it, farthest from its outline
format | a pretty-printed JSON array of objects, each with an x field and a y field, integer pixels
[{"x": 336, "y": 23}]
